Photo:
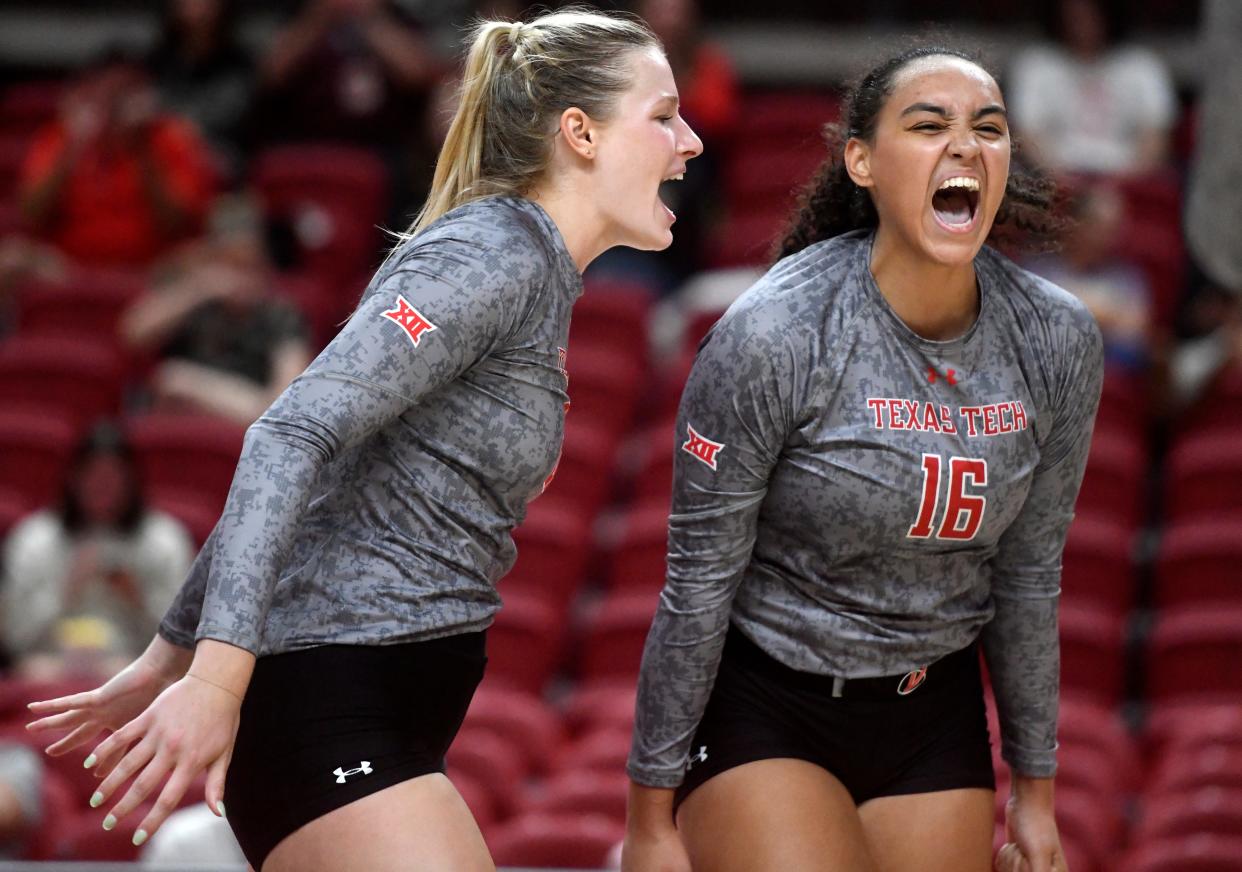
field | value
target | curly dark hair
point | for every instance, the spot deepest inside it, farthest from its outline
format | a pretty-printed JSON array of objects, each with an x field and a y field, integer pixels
[{"x": 831, "y": 204}]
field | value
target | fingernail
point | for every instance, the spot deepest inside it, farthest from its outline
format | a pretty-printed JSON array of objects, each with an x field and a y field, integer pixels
[
  {"x": 140, "y": 837},
  {"x": 220, "y": 808},
  {"x": 96, "y": 799},
  {"x": 88, "y": 762},
  {"x": 109, "y": 822}
]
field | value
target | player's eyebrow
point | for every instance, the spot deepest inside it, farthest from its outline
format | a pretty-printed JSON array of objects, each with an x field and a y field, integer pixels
[
  {"x": 990, "y": 109},
  {"x": 669, "y": 98}
]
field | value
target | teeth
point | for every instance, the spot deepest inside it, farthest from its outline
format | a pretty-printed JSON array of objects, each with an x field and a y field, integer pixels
[
  {"x": 959, "y": 182},
  {"x": 676, "y": 178}
]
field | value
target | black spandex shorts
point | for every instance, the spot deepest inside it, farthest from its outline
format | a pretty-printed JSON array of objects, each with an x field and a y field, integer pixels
[
  {"x": 875, "y": 740},
  {"x": 325, "y": 726}
]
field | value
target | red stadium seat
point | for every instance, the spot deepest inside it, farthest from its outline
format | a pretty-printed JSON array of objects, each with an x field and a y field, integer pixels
[
  {"x": 601, "y": 750},
  {"x": 611, "y": 316},
  {"x": 1213, "y": 810},
  {"x": 520, "y": 718},
  {"x": 1170, "y": 728},
  {"x": 13, "y": 148},
  {"x": 88, "y": 304},
  {"x": 34, "y": 454},
  {"x": 59, "y": 810},
  {"x": 1092, "y": 653},
  {"x": 1203, "y": 477},
  {"x": 524, "y": 644},
  {"x": 1218, "y": 407},
  {"x": 492, "y": 762},
  {"x": 555, "y": 840},
  {"x": 27, "y": 106},
  {"x": 581, "y": 791},
  {"x": 84, "y": 378},
  {"x": 1198, "y": 562},
  {"x": 554, "y": 545},
  {"x": 1192, "y": 655},
  {"x": 1185, "y": 768},
  {"x": 782, "y": 116},
  {"x": 1153, "y": 237},
  {"x": 1197, "y": 853},
  {"x": 637, "y": 546},
  {"x": 334, "y": 196},
  {"x": 653, "y": 480},
  {"x": 607, "y": 704},
  {"x": 612, "y": 638},
  {"x": 1097, "y": 566},
  {"x": 604, "y": 387},
  {"x": 14, "y": 505},
  {"x": 187, "y": 454},
  {"x": 585, "y": 472},
  {"x": 1115, "y": 480},
  {"x": 1084, "y": 727},
  {"x": 749, "y": 237}
]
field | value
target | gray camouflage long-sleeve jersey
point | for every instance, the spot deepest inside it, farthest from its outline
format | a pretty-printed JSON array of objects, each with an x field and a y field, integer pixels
[
  {"x": 862, "y": 501},
  {"x": 373, "y": 502}
]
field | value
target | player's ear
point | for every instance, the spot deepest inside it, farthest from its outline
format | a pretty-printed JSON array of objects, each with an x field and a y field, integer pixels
[
  {"x": 579, "y": 132},
  {"x": 858, "y": 162}
]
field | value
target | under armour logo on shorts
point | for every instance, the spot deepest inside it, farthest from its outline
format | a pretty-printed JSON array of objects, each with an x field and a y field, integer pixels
[
  {"x": 697, "y": 758},
  {"x": 342, "y": 774}
]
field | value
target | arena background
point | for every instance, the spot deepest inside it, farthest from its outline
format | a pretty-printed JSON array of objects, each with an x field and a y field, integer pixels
[{"x": 279, "y": 193}]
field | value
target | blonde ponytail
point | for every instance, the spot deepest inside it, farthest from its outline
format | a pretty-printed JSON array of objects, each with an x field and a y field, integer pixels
[{"x": 518, "y": 79}]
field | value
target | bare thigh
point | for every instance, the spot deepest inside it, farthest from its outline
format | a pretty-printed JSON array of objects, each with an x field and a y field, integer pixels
[
  {"x": 420, "y": 824},
  {"x": 781, "y": 814},
  {"x": 944, "y": 831}
]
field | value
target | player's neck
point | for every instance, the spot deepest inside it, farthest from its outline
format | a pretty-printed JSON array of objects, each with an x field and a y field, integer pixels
[
  {"x": 937, "y": 301},
  {"x": 577, "y": 221}
]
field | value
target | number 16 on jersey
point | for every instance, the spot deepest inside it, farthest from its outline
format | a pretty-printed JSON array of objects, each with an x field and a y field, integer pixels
[{"x": 963, "y": 512}]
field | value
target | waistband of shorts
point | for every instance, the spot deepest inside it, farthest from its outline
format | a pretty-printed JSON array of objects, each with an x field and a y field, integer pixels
[{"x": 950, "y": 669}]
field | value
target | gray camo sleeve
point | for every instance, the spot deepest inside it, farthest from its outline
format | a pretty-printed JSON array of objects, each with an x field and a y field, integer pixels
[
  {"x": 181, "y": 620},
  {"x": 438, "y": 312},
  {"x": 739, "y": 397},
  {"x": 1020, "y": 642}
]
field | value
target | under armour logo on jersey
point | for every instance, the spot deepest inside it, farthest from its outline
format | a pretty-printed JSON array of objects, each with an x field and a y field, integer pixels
[
  {"x": 911, "y": 680},
  {"x": 409, "y": 319},
  {"x": 700, "y": 757},
  {"x": 950, "y": 375},
  {"x": 342, "y": 774},
  {"x": 702, "y": 448}
]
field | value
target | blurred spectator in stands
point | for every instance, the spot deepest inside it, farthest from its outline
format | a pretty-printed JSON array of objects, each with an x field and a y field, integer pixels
[
  {"x": 356, "y": 72},
  {"x": 1089, "y": 103},
  {"x": 229, "y": 345},
  {"x": 1213, "y": 318},
  {"x": 1114, "y": 289},
  {"x": 92, "y": 577},
  {"x": 202, "y": 71},
  {"x": 710, "y": 101},
  {"x": 21, "y": 805},
  {"x": 1214, "y": 199},
  {"x": 115, "y": 180}
]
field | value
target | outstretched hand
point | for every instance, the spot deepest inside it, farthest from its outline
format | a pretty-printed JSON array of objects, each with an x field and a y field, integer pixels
[
  {"x": 112, "y": 705},
  {"x": 189, "y": 727}
]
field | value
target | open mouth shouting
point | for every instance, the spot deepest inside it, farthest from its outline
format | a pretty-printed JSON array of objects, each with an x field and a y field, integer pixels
[
  {"x": 956, "y": 204},
  {"x": 665, "y": 191}
]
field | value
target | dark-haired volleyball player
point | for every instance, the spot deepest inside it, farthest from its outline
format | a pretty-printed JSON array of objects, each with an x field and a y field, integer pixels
[{"x": 878, "y": 454}]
